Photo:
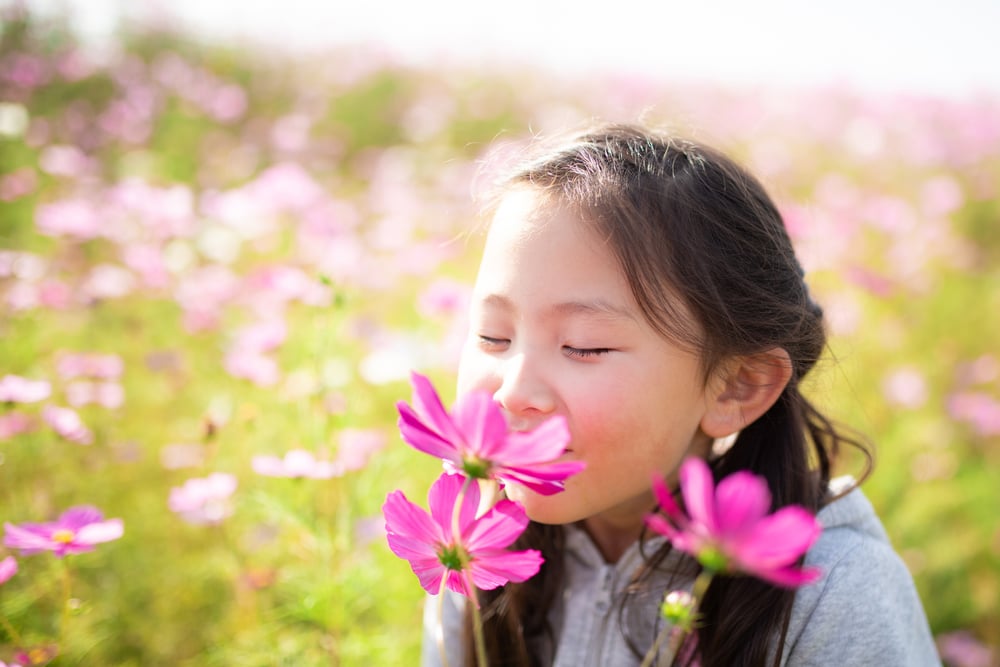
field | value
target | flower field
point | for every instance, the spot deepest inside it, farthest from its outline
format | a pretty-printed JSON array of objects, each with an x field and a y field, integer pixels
[{"x": 218, "y": 268}]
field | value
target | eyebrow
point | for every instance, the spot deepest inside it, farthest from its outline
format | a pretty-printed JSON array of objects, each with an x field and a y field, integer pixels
[{"x": 596, "y": 307}]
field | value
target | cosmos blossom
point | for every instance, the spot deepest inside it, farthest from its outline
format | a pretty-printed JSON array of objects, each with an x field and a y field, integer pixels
[
  {"x": 204, "y": 500},
  {"x": 295, "y": 463},
  {"x": 76, "y": 530},
  {"x": 474, "y": 439},
  {"x": 8, "y": 568},
  {"x": 728, "y": 528},
  {"x": 436, "y": 553}
]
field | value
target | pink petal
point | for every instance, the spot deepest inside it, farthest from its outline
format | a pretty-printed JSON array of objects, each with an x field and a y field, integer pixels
[
  {"x": 662, "y": 526},
  {"x": 457, "y": 583},
  {"x": 409, "y": 521},
  {"x": 790, "y": 577},
  {"x": 420, "y": 436},
  {"x": 491, "y": 570},
  {"x": 25, "y": 538},
  {"x": 741, "y": 500},
  {"x": 103, "y": 531},
  {"x": 76, "y": 517},
  {"x": 545, "y": 443},
  {"x": 698, "y": 489},
  {"x": 482, "y": 424},
  {"x": 545, "y": 479},
  {"x": 442, "y": 498},
  {"x": 427, "y": 404},
  {"x": 8, "y": 568},
  {"x": 666, "y": 500},
  {"x": 497, "y": 528},
  {"x": 270, "y": 466},
  {"x": 779, "y": 539}
]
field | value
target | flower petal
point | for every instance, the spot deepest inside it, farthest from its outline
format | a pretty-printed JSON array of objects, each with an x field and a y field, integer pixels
[
  {"x": 545, "y": 443},
  {"x": 101, "y": 531},
  {"x": 790, "y": 577},
  {"x": 493, "y": 569},
  {"x": 779, "y": 539},
  {"x": 79, "y": 516},
  {"x": 698, "y": 489},
  {"x": 424, "y": 438},
  {"x": 442, "y": 498},
  {"x": 545, "y": 479},
  {"x": 741, "y": 500},
  {"x": 427, "y": 404},
  {"x": 410, "y": 521},
  {"x": 497, "y": 528},
  {"x": 482, "y": 424},
  {"x": 29, "y": 538}
]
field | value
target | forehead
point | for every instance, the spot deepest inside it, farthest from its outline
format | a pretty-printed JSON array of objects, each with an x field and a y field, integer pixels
[{"x": 538, "y": 248}]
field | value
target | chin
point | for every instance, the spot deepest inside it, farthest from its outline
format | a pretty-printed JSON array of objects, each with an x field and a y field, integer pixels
[{"x": 555, "y": 509}]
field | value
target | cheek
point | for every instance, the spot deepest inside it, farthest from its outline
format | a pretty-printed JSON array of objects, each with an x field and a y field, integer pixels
[{"x": 475, "y": 371}]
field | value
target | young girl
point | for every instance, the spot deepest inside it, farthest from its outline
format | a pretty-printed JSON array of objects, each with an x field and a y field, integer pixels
[{"x": 645, "y": 288}]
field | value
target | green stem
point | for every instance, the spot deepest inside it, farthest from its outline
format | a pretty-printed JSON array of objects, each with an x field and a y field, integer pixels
[
  {"x": 14, "y": 635},
  {"x": 477, "y": 619},
  {"x": 675, "y": 633},
  {"x": 64, "y": 615}
]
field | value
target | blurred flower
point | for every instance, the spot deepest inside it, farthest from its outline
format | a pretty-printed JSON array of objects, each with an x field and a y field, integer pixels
[
  {"x": 473, "y": 439},
  {"x": 14, "y": 423},
  {"x": 296, "y": 463},
  {"x": 16, "y": 389},
  {"x": 728, "y": 530},
  {"x": 18, "y": 183},
  {"x": 8, "y": 568},
  {"x": 182, "y": 455},
  {"x": 204, "y": 500},
  {"x": 979, "y": 409},
  {"x": 443, "y": 297},
  {"x": 75, "y": 218},
  {"x": 71, "y": 365},
  {"x": 905, "y": 387},
  {"x": 962, "y": 649},
  {"x": 108, "y": 281},
  {"x": 110, "y": 395},
  {"x": 77, "y": 530},
  {"x": 357, "y": 445},
  {"x": 13, "y": 119},
  {"x": 62, "y": 160},
  {"x": 428, "y": 542},
  {"x": 67, "y": 424}
]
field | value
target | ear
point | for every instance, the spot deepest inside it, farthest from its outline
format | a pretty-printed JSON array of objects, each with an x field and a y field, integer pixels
[{"x": 744, "y": 390}]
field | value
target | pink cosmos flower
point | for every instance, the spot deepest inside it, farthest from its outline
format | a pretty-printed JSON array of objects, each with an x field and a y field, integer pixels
[
  {"x": 76, "y": 364},
  {"x": 77, "y": 530},
  {"x": 8, "y": 568},
  {"x": 110, "y": 395},
  {"x": 436, "y": 553},
  {"x": 16, "y": 389},
  {"x": 296, "y": 463},
  {"x": 473, "y": 439},
  {"x": 727, "y": 528},
  {"x": 67, "y": 423},
  {"x": 204, "y": 500}
]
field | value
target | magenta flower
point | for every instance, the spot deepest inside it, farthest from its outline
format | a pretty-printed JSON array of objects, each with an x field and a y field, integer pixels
[
  {"x": 204, "y": 500},
  {"x": 295, "y": 463},
  {"x": 473, "y": 439},
  {"x": 435, "y": 553},
  {"x": 727, "y": 528},
  {"x": 77, "y": 530},
  {"x": 8, "y": 568}
]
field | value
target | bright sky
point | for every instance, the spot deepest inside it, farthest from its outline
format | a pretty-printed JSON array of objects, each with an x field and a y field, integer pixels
[{"x": 916, "y": 45}]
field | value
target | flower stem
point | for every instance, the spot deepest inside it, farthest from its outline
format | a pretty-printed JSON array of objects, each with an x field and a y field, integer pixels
[
  {"x": 14, "y": 635},
  {"x": 677, "y": 632},
  {"x": 477, "y": 619},
  {"x": 64, "y": 615},
  {"x": 440, "y": 632}
]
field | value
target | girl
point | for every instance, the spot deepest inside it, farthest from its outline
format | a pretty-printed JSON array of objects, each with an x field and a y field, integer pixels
[{"x": 646, "y": 289}]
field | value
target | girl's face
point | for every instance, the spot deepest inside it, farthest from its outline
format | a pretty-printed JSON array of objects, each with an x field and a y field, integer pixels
[{"x": 555, "y": 330}]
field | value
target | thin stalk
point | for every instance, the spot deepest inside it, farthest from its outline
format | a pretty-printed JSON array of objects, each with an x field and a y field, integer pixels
[
  {"x": 674, "y": 634},
  {"x": 477, "y": 619},
  {"x": 440, "y": 633},
  {"x": 64, "y": 614}
]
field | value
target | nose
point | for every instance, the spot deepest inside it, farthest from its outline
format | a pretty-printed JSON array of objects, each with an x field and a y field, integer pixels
[{"x": 523, "y": 392}]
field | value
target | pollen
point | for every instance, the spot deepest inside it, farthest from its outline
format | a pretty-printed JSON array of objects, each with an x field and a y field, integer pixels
[{"x": 63, "y": 536}]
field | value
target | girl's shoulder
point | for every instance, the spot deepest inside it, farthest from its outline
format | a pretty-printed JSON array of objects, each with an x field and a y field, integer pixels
[{"x": 864, "y": 609}]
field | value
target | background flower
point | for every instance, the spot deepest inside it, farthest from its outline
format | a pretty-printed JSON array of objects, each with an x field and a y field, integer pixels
[{"x": 76, "y": 530}]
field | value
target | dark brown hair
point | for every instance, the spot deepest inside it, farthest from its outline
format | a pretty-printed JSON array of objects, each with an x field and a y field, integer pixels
[{"x": 689, "y": 225}]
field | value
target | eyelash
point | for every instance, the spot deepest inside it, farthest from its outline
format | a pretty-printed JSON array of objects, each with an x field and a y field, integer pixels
[{"x": 577, "y": 352}]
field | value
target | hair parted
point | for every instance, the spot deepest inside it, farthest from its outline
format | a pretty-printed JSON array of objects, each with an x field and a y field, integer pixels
[{"x": 710, "y": 263}]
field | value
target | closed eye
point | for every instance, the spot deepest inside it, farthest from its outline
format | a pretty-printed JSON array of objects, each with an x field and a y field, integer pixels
[
  {"x": 492, "y": 344},
  {"x": 585, "y": 352}
]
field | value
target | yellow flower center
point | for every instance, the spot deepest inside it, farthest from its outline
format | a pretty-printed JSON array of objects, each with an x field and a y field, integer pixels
[{"x": 63, "y": 536}]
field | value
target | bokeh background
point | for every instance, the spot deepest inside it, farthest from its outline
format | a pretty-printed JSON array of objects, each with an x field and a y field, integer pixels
[{"x": 229, "y": 230}]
